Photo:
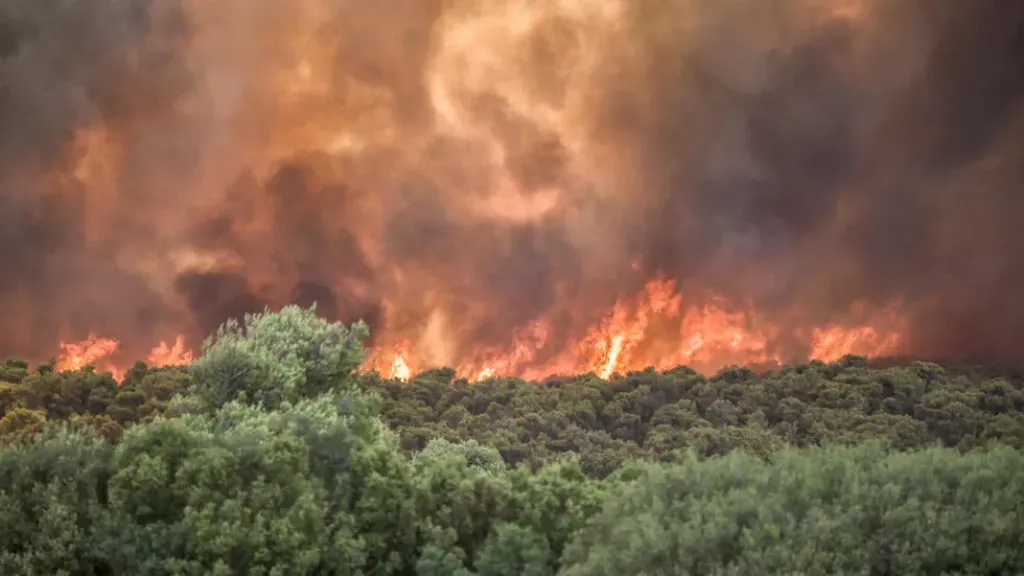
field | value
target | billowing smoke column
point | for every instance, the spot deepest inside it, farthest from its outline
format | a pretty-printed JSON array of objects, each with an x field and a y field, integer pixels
[{"x": 543, "y": 182}]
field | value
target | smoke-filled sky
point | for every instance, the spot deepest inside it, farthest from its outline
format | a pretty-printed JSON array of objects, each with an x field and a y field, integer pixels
[{"x": 454, "y": 170}]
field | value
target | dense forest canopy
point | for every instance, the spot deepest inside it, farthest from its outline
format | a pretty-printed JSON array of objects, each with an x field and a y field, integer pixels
[{"x": 271, "y": 454}]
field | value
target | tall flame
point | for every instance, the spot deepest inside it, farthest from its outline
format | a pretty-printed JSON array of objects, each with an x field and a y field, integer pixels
[
  {"x": 657, "y": 329},
  {"x": 96, "y": 352},
  {"x": 654, "y": 329},
  {"x": 78, "y": 355}
]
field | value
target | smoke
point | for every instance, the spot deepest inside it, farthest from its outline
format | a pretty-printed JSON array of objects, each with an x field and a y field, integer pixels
[{"x": 451, "y": 170}]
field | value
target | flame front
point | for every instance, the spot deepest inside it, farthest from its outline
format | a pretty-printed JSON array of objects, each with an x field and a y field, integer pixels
[
  {"x": 175, "y": 355},
  {"x": 657, "y": 329},
  {"x": 654, "y": 329},
  {"x": 78, "y": 355},
  {"x": 510, "y": 188},
  {"x": 97, "y": 352}
]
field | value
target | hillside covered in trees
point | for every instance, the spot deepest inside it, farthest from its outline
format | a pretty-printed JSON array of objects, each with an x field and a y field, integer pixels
[{"x": 270, "y": 454}]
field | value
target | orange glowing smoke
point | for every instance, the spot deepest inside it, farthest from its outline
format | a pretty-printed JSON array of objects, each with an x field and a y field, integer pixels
[{"x": 508, "y": 129}]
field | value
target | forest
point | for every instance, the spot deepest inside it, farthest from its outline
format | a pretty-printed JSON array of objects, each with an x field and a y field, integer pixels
[{"x": 270, "y": 454}]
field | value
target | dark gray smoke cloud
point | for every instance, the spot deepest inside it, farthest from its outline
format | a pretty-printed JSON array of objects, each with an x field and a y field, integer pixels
[
  {"x": 65, "y": 65},
  {"x": 766, "y": 151},
  {"x": 871, "y": 165}
]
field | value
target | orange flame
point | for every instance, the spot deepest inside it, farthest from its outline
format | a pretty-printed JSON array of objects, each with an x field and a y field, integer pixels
[
  {"x": 78, "y": 355},
  {"x": 164, "y": 355},
  {"x": 399, "y": 368},
  {"x": 655, "y": 329},
  {"x": 882, "y": 336},
  {"x": 96, "y": 351}
]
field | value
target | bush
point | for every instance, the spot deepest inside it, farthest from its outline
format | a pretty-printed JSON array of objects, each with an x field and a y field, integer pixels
[{"x": 272, "y": 358}]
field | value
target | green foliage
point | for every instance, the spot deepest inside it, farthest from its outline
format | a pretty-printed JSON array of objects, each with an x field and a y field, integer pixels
[
  {"x": 460, "y": 508},
  {"x": 837, "y": 511},
  {"x": 268, "y": 457},
  {"x": 247, "y": 491},
  {"x": 52, "y": 496},
  {"x": 659, "y": 416},
  {"x": 82, "y": 398},
  {"x": 486, "y": 458},
  {"x": 511, "y": 549},
  {"x": 271, "y": 358}
]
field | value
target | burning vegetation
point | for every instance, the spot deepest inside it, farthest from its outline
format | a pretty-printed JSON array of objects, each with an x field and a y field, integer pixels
[{"x": 522, "y": 188}]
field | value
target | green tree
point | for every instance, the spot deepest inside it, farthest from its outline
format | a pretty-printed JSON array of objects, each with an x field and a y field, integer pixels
[
  {"x": 659, "y": 415},
  {"x": 318, "y": 487},
  {"x": 52, "y": 490},
  {"x": 855, "y": 510},
  {"x": 276, "y": 357},
  {"x": 512, "y": 550},
  {"x": 477, "y": 455},
  {"x": 85, "y": 399}
]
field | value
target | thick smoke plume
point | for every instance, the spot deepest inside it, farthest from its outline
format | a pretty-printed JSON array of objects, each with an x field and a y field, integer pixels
[{"x": 453, "y": 171}]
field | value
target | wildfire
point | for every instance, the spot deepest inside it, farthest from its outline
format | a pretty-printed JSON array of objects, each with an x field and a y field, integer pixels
[
  {"x": 829, "y": 343},
  {"x": 399, "y": 367},
  {"x": 480, "y": 174},
  {"x": 78, "y": 355},
  {"x": 654, "y": 329},
  {"x": 164, "y": 355},
  {"x": 96, "y": 351},
  {"x": 657, "y": 329}
]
